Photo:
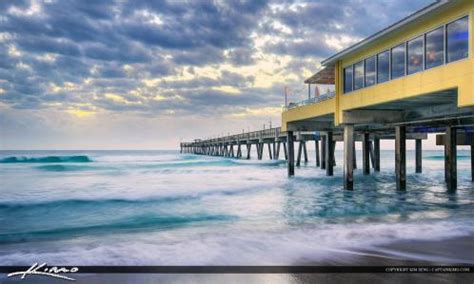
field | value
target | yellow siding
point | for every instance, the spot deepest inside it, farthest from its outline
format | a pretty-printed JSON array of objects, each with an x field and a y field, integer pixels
[
  {"x": 451, "y": 75},
  {"x": 458, "y": 75},
  {"x": 308, "y": 111}
]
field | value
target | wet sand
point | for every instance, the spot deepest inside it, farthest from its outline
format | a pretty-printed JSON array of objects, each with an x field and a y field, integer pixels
[{"x": 449, "y": 252}]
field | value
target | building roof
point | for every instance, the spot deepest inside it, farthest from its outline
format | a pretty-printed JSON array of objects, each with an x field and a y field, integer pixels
[
  {"x": 418, "y": 15},
  {"x": 324, "y": 76}
]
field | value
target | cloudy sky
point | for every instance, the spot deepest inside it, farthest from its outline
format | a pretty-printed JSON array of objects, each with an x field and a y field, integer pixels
[{"x": 146, "y": 74}]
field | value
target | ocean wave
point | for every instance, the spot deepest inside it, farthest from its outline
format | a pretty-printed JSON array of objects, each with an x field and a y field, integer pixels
[
  {"x": 47, "y": 159},
  {"x": 441, "y": 157},
  {"x": 124, "y": 225}
]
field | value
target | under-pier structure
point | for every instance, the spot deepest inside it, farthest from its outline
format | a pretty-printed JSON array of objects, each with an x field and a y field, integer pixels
[{"x": 413, "y": 78}]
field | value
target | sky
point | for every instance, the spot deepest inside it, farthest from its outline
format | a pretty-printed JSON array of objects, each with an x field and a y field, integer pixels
[{"x": 148, "y": 74}]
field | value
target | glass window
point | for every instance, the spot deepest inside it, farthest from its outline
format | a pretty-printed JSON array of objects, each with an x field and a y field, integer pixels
[
  {"x": 383, "y": 66},
  {"x": 359, "y": 75},
  {"x": 457, "y": 39},
  {"x": 398, "y": 61},
  {"x": 348, "y": 79},
  {"x": 370, "y": 71},
  {"x": 434, "y": 48},
  {"x": 415, "y": 55}
]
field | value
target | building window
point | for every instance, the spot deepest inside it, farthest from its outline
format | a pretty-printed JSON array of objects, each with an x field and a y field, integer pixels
[
  {"x": 457, "y": 40},
  {"x": 370, "y": 71},
  {"x": 398, "y": 61},
  {"x": 383, "y": 66},
  {"x": 434, "y": 48},
  {"x": 348, "y": 79},
  {"x": 415, "y": 55},
  {"x": 359, "y": 75}
]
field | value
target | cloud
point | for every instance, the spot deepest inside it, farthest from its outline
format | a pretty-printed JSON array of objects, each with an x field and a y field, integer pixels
[{"x": 200, "y": 59}]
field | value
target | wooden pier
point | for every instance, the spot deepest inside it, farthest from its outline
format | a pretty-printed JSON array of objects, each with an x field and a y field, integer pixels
[{"x": 280, "y": 145}]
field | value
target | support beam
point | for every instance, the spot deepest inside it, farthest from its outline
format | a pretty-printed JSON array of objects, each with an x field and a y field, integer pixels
[
  {"x": 298, "y": 158},
  {"x": 451, "y": 158},
  {"x": 291, "y": 154},
  {"x": 285, "y": 151},
  {"x": 349, "y": 157},
  {"x": 418, "y": 154},
  {"x": 372, "y": 154},
  {"x": 472, "y": 156},
  {"x": 355, "y": 155},
  {"x": 277, "y": 153},
  {"x": 333, "y": 153},
  {"x": 400, "y": 156},
  {"x": 365, "y": 154},
  {"x": 323, "y": 152},
  {"x": 377, "y": 153},
  {"x": 249, "y": 149},
  {"x": 274, "y": 151},
  {"x": 316, "y": 150},
  {"x": 270, "y": 151},
  {"x": 329, "y": 158},
  {"x": 305, "y": 152}
]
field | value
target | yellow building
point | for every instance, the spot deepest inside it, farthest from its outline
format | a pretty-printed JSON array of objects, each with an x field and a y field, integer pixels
[{"x": 415, "y": 74}]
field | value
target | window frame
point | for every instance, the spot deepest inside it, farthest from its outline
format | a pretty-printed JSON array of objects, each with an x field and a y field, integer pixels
[
  {"x": 404, "y": 44},
  {"x": 444, "y": 47},
  {"x": 351, "y": 66},
  {"x": 423, "y": 42},
  {"x": 354, "y": 74},
  {"x": 446, "y": 39},
  {"x": 423, "y": 35},
  {"x": 375, "y": 71},
  {"x": 377, "y": 67}
]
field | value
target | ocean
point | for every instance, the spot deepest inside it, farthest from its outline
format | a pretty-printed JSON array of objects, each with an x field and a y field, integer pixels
[{"x": 166, "y": 208}]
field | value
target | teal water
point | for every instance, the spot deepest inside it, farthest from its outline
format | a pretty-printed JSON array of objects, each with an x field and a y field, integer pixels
[{"x": 166, "y": 208}]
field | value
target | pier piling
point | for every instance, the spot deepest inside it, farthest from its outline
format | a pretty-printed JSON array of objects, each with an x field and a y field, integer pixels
[
  {"x": 377, "y": 153},
  {"x": 418, "y": 154},
  {"x": 365, "y": 153},
  {"x": 451, "y": 158},
  {"x": 323, "y": 152},
  {"x": 291, "y": 154},
  {"x": 349, "y": 157},
  {"x": 400, "y": 157},
  {"x": 316, "y": 150},
  {"x": 329, "y": 154}
]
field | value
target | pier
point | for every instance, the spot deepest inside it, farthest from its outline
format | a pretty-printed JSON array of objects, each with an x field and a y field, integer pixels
[{"x": 402, "y": 83}]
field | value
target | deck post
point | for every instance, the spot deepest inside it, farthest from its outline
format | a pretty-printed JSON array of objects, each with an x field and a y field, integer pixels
[
  {"x": 270, "y": 151},
  {"x": 274, "y": 150},
  {"x": 316, "y": 150},
  {"x": 372, "y": 154},
  {"x": 365, "y": 153},
  {"x": 329, "y": 157},
  {"x": 291, "y": 154},
  {"x": 323, "y": 152},
  {"x": 305, "y": 152},
  {"x": 348, "y": 157},
  {"x": 418, "y": 153},
  {"x": 451, "y": 158},
  {"x": 354, "y": 154},
  {"x": 298, "y": 158},
  {"x": 277, "y": 151},
  {"x": 472, "y": 156},
  {"x": 377, "y": 153},
  {"x": 400, "y": 156}
]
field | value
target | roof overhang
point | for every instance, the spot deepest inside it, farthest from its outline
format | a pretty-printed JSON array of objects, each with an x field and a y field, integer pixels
[
  {"x": 417, "y": 16},
  {"x": 325, "y": 76}
]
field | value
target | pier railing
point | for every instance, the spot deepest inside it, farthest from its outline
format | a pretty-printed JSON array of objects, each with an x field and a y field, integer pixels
[{"x": 310, "y": 101}]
